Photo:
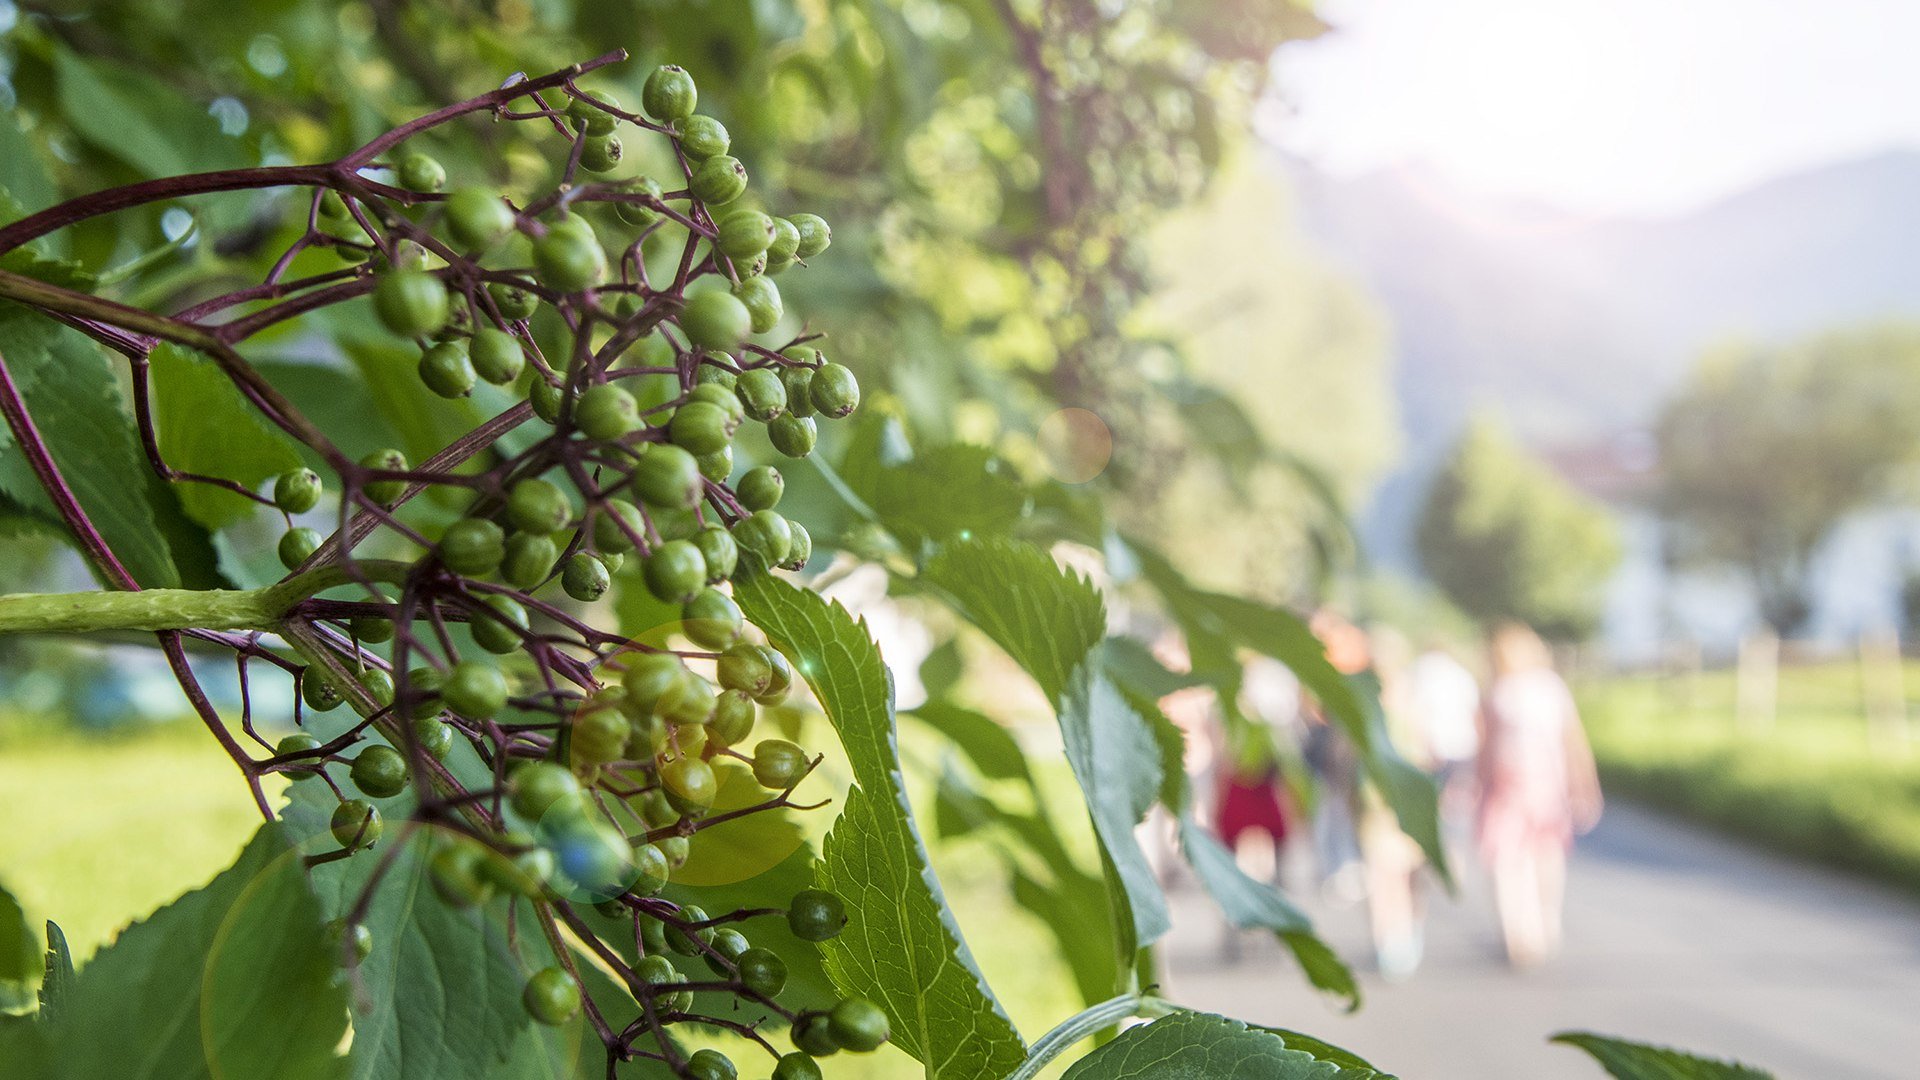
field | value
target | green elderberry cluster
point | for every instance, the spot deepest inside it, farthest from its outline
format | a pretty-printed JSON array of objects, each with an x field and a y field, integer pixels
[{"x": 603, "y": 749}]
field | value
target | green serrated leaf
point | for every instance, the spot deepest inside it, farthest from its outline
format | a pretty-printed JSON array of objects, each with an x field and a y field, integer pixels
[
  {"x": 234, "y": 979},
  {"x": 206, "y": 427},
  {"x": 1353, "y": 1065},
  {"x": 1049, "y": 621},
  {"x": 72, "y": 395},
  {"x": 1201, "y": 1046},
  {"x": 57, "y": 981},
  {"x": 32, "y": 259},
  {"x": 20, "y": 953},
  {"x": 901, "y": 946},
  {"x": 439, "y": 998},
  {"x": 949, "y": 491},
  {"x": 1642, "y": 1061}
]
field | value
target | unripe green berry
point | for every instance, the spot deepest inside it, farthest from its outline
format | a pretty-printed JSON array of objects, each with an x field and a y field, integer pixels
[
  {"x": 779, "y": 764},
  {"x": 297, "y": 491},
  {"x": 608, "y": 537},
  {"x": 687, "y": 942},
  {"x": 435, "y": 738},
  {"x": 497, "y": 635},
  {"x": 355, "y": 824},
  {"x": 598, "y": 736},
  {"x": 747, "y": 668},
  {"x": 423, "y": 690},
  {"x": 585, "y": 578},
  {"x": 299, "y": 743},
  {"x": 447, "y": 370},
  {"x": 378, "y": 685},
  {"x": 834, "y": 391},
  {"x": 814, "y": 1035},
  {"x": 601, "y": 153},
  {"x": 351, "y": 944},
  {"x": 715, "y": 320},
  {"x": 385, "y": 492},
  {"x": 587, "y": 118},
  {"x": 419, "y": 172},
  {"x": 380, "y": 771},
  {"x": 297, "y": 546},
  {"x": 412, "y": 303},
  {"x": 513, "y": 302},
  {"x": 700, "y": 427},
  {"x": 472, "y": 547},
  {"x": 719, "y": 551},
  {"x": 546, "y": 399},
  {"x": 523, "y": 873},
  {"x": 719, "y": 180},
  {"x": 551, "y": 997},
  {"x": 800, "y": 550},
  {"x": 792, "y": 435},
  {"x": 690, "y": 783},
  {"x": 668, "y": 477},
  {"x": 538, "y": 506},
  {"x": 475, "y": 690},
  {"x": 733, "y": 717},
  {"x": 538, "y": 786},
  {"x": 675, "y": 571},
  {"x": 605, "y": 412},
  {"x": 762, "y": 300},
  {"x": 651, "y": 870},
  {"x": 762, "y": 395},
  {"x": 710, "y": 1064},
  {"x": 796, "y": 1066},
  {"x": 569, "y": 257},
  {"x": 718, "y": 465},
  {"x": 649, "y": 677},
  {"x": 766, "y": 534},
  {"x": 762, "y": 971},
  {"x": 858, "y": 1025},
  {"x": 529, "y": 560},
  {"x": 723, "y": 398},
  {"x": 814, "y": 234},
  {"x": 669, "y": 93},
  {"x": 744, "y": 234},
  {"x": 496, "y": 355},
  {"x": 478, "y": 217},
  {"x": 799, "y": 384},
  {"x": 639, "y": 215},
  {"x": 786, "y": 241},
  {"x": 688, "y": 703},
  {"x": 816, "y": 915},
  {"x": 318, "y": 692},
  {"x": 760, "y": 488},
  {"x": 371, "y": 629},
  {"x": 711, "y": 619},
  {"x": 702, "y": 137}
]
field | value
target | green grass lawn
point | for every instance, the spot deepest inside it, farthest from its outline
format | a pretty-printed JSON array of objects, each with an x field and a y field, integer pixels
[{"x": 1814, "y": 783}]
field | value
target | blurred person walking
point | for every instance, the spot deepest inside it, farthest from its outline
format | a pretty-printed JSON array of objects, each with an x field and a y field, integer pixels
[
  {"x": 1335, "y": 762},
  {"x": 1538, "y": 788},
  {"x": 1396, "y": 901},
  {"x": 1443, "y": 697}
]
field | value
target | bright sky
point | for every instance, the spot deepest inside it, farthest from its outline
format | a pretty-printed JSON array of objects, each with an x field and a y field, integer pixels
[{"x": 1604, "y": 106}]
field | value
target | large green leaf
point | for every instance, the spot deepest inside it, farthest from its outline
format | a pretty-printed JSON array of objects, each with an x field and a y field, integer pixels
[
  {"x": 1201, "y": 1046},
  {"x": 1050, "y": 621},
  {"x": 901, "y": 946},
  {"x": 1216, "y": 625},
  {"x": 1047, "y": 619},
  {"x": 439, "y": 998},
  {"x": 1250, "y": 904},
  {"x": 59, "y": 974},
  {"x": 206, "y": 427},
  {"x": 235, "y": 979},
  {"x": 72, "y": 395},
  {"x": 1641, "y": 1061},
  {"x": 948, "y": 491},
  {"x": 141, "y": 121},
  {"x": 20, "y": 956}
]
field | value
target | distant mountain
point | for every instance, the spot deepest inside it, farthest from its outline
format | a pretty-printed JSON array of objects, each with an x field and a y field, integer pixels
[{"x": 1577, "y": 328}]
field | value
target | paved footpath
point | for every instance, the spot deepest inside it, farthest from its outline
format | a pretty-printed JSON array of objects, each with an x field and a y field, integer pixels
[{"x": 1674, "y": 936}]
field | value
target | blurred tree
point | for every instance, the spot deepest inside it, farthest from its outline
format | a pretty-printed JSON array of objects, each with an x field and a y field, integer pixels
[
  {"x": 1506, "y": 538},
  {"x": 1766, "y": 449},
  {"x": 1304, "y": 421}
]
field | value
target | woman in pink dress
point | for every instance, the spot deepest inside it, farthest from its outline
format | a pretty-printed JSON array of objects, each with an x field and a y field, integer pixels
[{"x": 1538, "y": 788}]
